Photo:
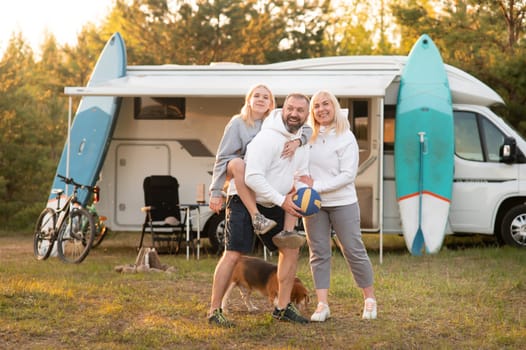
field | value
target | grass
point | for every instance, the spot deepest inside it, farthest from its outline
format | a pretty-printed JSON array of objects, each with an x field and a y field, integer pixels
[{"x": 469, "y": 296}]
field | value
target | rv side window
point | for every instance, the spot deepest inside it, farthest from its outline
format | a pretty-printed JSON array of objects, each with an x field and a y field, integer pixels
[
  {"x": 389, "y": 127},
  {"x": 476, "y": 138},
  {"x": 155, "y": 108},
  {"x": 467, "y": 139},
  {"x": 359, "y": 120},
  {"x": 493, "y": 138}
]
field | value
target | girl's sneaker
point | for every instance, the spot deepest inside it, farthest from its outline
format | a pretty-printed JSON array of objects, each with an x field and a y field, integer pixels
[{"x": 261, "y": 224}]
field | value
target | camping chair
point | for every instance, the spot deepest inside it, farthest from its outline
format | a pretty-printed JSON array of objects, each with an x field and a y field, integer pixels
[{"x": 163, "y": 214}]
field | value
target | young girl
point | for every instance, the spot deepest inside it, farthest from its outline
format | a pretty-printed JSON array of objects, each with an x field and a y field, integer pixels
[{"x": 229, "y": 163}]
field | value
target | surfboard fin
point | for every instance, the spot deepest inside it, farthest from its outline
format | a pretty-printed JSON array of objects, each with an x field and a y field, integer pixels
[{"x": 418, "y": 243}]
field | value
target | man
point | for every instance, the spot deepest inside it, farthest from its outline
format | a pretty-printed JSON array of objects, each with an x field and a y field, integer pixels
[{"x": 271, "y": 176}]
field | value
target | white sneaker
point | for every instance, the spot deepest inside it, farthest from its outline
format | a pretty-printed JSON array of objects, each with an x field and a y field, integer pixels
[
  {"x": 323, "y": 315},
  {"x": 369, "y": 309}
]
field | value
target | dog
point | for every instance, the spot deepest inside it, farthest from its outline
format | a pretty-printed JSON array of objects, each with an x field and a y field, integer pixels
[{"x": 251, "y": 273}]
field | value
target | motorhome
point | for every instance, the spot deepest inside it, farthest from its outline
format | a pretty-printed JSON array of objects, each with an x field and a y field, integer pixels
[{"x": 172, "y": 118}]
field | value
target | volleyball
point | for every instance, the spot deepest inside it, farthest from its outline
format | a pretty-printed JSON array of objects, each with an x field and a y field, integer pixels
[{"x": 308, "y": 199}]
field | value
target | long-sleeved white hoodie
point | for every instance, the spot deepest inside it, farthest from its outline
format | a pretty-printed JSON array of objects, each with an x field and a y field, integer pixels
[
  {"x": 333, "y": 166},
  {"x": 269, "y": 175}
]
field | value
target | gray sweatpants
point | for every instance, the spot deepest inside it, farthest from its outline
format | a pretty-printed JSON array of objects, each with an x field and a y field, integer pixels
[{"x": 346, "y": 223}]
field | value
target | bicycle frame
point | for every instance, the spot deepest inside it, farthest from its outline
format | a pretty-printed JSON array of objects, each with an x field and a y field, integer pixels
[{"x": 62, "y": 212}]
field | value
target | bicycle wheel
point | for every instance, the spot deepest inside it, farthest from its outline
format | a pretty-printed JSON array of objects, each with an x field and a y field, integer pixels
[
  {"x": 101, "y": 231},
  {"x": 76, "y": 236},
  {"x": 44, "y": 236}
]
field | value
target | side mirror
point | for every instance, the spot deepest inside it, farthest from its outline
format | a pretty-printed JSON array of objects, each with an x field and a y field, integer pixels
[{"x": 508, "y": 151}]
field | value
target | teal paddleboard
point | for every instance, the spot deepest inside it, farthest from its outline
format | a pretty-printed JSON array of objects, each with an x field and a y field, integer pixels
[
  {"x": 93, "y": 125},
  {"x": 424, "y": 148}
]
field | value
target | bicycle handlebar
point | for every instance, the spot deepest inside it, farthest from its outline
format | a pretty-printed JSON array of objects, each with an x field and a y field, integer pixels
[{"x": 70, "y": 181}]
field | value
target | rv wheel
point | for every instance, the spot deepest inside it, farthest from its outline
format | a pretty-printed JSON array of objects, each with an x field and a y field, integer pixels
[
  {"x": 513, "y": 229},
  {"x": 215, "y": 230}
]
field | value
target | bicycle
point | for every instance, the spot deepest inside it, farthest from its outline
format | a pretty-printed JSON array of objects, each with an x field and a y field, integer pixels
[
  {"x": 71, "y": 226},
  {"x": 101, "y": 231}
]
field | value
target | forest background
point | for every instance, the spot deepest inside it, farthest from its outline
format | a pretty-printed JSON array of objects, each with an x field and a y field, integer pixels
[{"x": 485, "y": 38}]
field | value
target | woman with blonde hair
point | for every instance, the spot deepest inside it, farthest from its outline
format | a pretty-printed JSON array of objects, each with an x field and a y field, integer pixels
[{"x": 333, "y": 167}]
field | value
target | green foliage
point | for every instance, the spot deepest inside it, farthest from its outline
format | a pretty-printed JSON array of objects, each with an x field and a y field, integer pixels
[
  {"x": 303, "y": 28},
  {"x": 19, "y": 138},
  {"x": 216, "y": 29},
  {"x": 510, "y": 80},
  {"x": 145, "y": 26},
  {"x": 346, "y": 32}
]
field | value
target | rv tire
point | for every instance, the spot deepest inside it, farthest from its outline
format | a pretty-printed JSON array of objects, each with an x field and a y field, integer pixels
[
  {"x": 513, "y": 228},
  {"x": 215, "y": 230}
]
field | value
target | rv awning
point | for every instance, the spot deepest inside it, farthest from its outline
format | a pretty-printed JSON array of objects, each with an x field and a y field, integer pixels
[{"x": 225, "y": 84}]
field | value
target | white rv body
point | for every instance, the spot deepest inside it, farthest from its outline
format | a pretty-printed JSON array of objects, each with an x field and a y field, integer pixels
[{"x": 485, "y": 189}]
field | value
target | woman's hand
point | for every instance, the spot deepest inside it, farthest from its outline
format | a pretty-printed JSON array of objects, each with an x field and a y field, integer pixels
[
  {"x": 216, "y": 204},
  {"x": 307, "y": 180},
  {"x": 290, "y": 147}
]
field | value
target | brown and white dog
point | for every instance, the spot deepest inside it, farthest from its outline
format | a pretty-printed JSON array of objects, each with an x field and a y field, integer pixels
[{"x": 251, "y": 273}]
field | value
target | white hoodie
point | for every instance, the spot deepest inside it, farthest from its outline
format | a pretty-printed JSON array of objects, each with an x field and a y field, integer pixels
[
  {"x": 269, "y": 175},
  {"x": 334, "y": 166}
]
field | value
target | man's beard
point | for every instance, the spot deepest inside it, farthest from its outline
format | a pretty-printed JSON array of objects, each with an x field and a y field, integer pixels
[{"x": 293, "y": 128}]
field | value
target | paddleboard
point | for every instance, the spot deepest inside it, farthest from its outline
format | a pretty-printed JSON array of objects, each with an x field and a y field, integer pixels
[
  {"x": 424, "y": 148},
  {"x": 93, "y": 125}
]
